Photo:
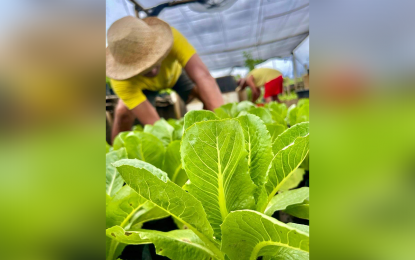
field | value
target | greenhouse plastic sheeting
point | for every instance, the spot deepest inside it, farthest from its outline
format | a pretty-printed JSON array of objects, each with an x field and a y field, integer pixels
[
  {"x": 265, "y": 28},
  {"x": 285, "y": 66},
  {"x": 302, "y": 53}
]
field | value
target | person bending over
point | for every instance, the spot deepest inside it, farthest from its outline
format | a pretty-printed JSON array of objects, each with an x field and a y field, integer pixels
[
  {"x": 271, "y": 79},
  {"x": 145, "y": 56}
]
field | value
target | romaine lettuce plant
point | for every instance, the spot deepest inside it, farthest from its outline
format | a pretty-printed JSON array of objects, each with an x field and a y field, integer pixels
[{"x": 222, "y": 183}]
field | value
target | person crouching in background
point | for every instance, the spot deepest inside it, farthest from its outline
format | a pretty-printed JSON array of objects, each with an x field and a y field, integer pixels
[{"x": 270, "y": 79}]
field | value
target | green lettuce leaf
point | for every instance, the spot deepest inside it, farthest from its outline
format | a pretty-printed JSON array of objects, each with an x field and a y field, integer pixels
[
  {"x": 306, "y": 163},
  {"x": 277, "y": 117},
  {"x": 258, "y": 145},
  {"x": 145, "y": 147},
  {"x": 176, "y": 244},
  {"x": 173, "y": 165},
  {"x": 147, "y": 212},
  {"x": 285, "y": 162},
  {"x": 285, "y": 199},
  {"x": 126, "y": 237},
  {"x": 138, "y": 128},
  {"x": 107, "y": 199},
  {"x": 172, "y": 121},
  {"x": 275, "y": 130},
  {"x": 179, "y": 224},
  {"x": 281, "y": 109},
  {"x": 114, "y": 180},
  {"x": 195, "y": 116},
  {"x": 242, "y": 106},
  {"x": 303, "y": 101},
  {"x": 299, "y": 210},
  {"x": 262, "y": 113},
  {"x": 113, "y": 248},
  {"x": 154, "y": 185},
  {"x": 178, "y": 128},
  {"x": 107, "y": 147},
  {"x": 225, "y": 111},
  {"x": 214, "y": 157},
  {"x": 292, "y": 115},
  {"x": 178, "y": 133},
  {"x": 288, "y": 254},
  {"x": 119, "y": 140},
  {"x": 290, "y": 149},
  {"x": 249, "y": 234},
  {"x": 303, "y": 228},
  {"x": 289, "y": 136},
  {"x": 303, "y": 113},
  {"x": 123, "y": 206},
  {"x": 262, "y": 198},
  {"x": 162, "y": 130},
  {"x": 293, "y": 181}
]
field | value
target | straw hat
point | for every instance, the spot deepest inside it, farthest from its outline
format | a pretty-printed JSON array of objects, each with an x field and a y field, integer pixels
[{"x": 135, "y": 46}]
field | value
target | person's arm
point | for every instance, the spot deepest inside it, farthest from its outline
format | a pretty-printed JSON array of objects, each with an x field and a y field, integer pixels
[
  {"x": 256, "y": 92},
  {"x": 209, "y": 90},
  {"x": 146, "y": 113}
]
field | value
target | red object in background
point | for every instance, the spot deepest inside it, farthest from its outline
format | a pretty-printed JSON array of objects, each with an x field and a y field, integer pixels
[
  {"x": 344, "y": 85},
  {"x": 273, "y": 87},
  {"x": 260, "y": 105}
]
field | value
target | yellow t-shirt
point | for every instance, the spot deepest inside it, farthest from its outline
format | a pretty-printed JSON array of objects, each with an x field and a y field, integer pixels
[
  {"x": 264, "y": 75},
  {"x": 130, "y": 90}
]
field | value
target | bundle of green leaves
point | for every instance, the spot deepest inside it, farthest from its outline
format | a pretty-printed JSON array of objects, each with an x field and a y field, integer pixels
[{"x": 221, "y": 176}]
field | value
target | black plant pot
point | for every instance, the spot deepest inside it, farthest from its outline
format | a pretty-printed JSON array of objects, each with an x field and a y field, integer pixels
[{"x": 303, "y": 94}]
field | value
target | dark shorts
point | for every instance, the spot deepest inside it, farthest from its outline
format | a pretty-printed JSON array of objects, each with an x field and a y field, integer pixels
[{"x": 183, "y": 88}]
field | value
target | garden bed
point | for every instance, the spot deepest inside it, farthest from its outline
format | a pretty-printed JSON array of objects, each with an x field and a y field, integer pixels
[{"x": 225, "y": 181}]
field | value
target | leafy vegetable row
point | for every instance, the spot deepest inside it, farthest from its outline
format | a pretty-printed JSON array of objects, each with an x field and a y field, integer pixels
[{"x": 220, "y": 176}]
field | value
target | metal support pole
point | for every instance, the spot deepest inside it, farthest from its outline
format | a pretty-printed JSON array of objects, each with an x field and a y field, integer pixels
[{"x": 295, "y": 72}]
